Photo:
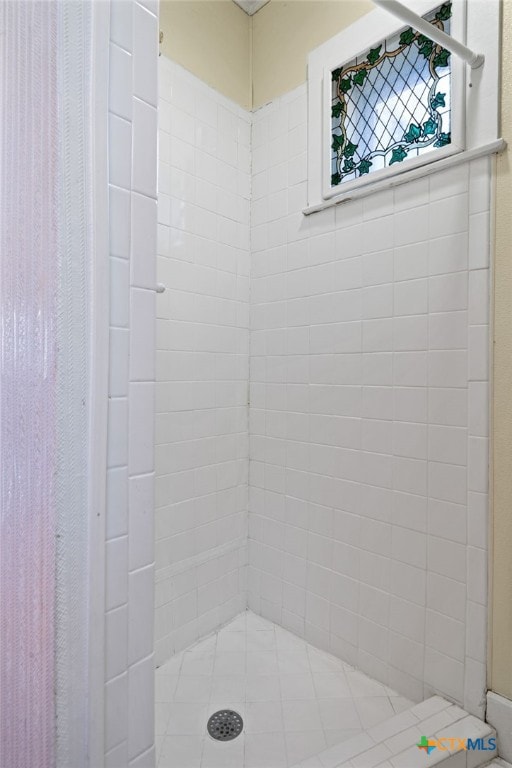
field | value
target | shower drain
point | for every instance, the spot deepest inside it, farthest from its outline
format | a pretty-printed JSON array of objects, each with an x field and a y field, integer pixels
[{"x": 225, "y": 725}]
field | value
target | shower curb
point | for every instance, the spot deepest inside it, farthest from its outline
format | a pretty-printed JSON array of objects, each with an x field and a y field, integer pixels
[{"x": 394, "y": 742}]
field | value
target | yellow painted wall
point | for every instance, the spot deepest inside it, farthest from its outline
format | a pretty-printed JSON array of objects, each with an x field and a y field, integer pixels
[
  {"x": 211, "y": 39},
  {"x": 251, "y": 60},
  {"x": 501, "y": 570},
  {"x": 285, "y": 31}
]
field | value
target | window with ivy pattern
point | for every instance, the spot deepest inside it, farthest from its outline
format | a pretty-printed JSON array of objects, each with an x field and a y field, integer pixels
[{"x": 391, "y": 103}]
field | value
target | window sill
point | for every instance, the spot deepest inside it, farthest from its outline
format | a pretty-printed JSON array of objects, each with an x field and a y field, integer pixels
[{"x": 494, "y": 147}]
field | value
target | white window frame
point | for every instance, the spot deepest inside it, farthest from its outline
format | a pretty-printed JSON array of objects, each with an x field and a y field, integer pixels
[{"x": 474, "y": 94}]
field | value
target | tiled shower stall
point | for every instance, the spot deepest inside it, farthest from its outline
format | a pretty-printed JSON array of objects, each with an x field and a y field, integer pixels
[
  {"x": 299, "y": 477},
  {"x": 350, "y": 508},
  {"x": 369, "y": 416}
]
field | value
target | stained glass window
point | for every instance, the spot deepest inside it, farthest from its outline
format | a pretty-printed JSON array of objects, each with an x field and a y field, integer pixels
[{"x": 391, "y": 103}]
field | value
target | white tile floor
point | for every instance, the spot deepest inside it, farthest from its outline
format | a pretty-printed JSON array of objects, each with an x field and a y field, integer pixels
[{"x": 295, "y": 700}]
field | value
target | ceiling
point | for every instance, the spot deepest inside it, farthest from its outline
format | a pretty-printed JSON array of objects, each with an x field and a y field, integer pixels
[{"x": 251, "y": 6}]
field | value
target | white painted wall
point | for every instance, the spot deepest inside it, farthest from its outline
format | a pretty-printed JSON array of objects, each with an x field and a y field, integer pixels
[
  {"x": 129, "y": 660},
  {"x": 369, "y": 416},
  {"x": 202, "y": 360}
]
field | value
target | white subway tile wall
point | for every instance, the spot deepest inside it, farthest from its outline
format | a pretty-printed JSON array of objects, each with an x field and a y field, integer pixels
[
  {"x": 369, "y": 416},
  {"x": 202, "y": 360},
  {"x": 129, "y": 657}
]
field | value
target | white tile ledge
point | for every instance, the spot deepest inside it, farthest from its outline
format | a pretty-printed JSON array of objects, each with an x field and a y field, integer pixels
[
  {"x": 494, "y": 147},
  {"x": 382, "y": 747}
]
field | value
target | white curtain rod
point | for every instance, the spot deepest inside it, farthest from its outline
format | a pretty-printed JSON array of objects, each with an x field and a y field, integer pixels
[{"x": 405, "y": 14}]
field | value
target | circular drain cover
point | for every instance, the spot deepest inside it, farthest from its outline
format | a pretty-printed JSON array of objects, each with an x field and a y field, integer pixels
[{"x": 225, "y": 725}]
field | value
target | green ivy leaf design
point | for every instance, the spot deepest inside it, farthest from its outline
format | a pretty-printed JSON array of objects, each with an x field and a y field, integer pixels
[
  {"x": 407, "y": 36},
  {"x": 335, "y": 179},
  {"x": 364, "y": 166},
  {"x": 441, "y": 58},
  {"x": 398, "y": 154},
  {"x": 443, "y": 140},
  {"x": 337, "y": 142},
  {"x": 445, "y": 12},
  {"x": 349, "y": 165},
  {"x": 360, "y": 77},
  {"x": 438, "y": 101},
  {"x": 350, "y": 149},
  {"x": 412, "y": 134},
  {"x": 345, "y": 85},
  {"x": 336, "y": 74},
  {"x": 427, "y": 48},
  {"x": 430, "y": 127},
  {"x": 337, "y": 109},
  {"x": 374, "y": 54}
]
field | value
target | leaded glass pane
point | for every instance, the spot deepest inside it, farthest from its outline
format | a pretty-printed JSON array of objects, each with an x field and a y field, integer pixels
[{"x": 391, "y": 103}]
